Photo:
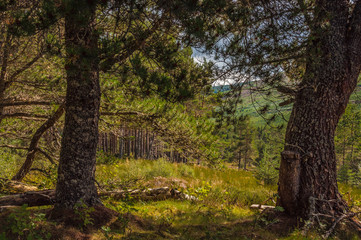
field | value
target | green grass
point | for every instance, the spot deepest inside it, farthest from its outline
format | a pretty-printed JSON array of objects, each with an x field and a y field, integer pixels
[
  {"x": 224, "y": 199},
  {"x": 351, "y": 194},
  {"x": 221, "y": 212},
  {"x": 229, "y": 186},
  {"x": 9, "y": 161}
]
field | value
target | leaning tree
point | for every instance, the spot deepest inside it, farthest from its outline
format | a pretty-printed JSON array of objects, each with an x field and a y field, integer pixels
[{"x": 308, "y": 183}]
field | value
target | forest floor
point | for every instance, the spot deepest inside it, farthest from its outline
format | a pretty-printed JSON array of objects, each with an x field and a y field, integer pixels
[{"x": 221, "y": 211}]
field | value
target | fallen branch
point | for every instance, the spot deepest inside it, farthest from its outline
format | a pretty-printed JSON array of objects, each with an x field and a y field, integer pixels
[
  {"x": 25, "y": 116},
  {"x": 7, "y": 186},
  {"x": 26, "y": 103},
  {"x": 262, "y": 207},
  {"x": 4, "y": 208},
  {"x": 13, "y": 147},
  {"x": 47, "y": 197},
  {"x": 149, "y": 194},
  {"x": 342, "y": 217},
  {"x": 38, "y": 198}
]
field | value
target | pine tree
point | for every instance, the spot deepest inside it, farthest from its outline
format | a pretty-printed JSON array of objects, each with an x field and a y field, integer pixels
[{"x": 321, "y": 40}]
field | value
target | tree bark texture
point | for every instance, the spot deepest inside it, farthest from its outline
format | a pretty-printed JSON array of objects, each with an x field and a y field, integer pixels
[
  {"x": 308, "y": 174},
  {"x": 78, "y": 151}
]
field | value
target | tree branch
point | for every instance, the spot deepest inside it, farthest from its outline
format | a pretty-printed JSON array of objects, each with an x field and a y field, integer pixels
[
  {"x": 13, "y": 147},
  {"x": 134, "y": 113},
  {"x": 4, "y": 64},
  {"x": 344, "y": 216},
  {"x": 25, "y": 103},
  {"x": 21, "y": 70},
  {"x": 33, "y": 148},
  {"x": 51, "y": 160},
  {"x": 24, "y": 116},
  {"x": 131, "y": 48},
  {"x": 40, "y": 170},
  {"x": 47, "y": 197}
]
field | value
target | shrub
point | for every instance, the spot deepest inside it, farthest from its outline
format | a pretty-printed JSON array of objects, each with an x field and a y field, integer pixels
[
  {"x": 266, "y": 170},
  {"x": 24, "y": 225}
]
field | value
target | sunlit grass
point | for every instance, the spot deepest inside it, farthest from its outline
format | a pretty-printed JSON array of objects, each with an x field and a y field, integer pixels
[
  {"x": 221, "y": 211},
  {"x": 217, "y": 187},
  {"x": 224, "y": 195},
  {"x": 181, "y": 213},
  {"x": 9, "y": 163}
]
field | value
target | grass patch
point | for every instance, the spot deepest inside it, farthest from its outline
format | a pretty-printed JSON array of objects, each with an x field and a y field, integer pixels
[
  {"x": 214, "y": 187},
  {"x": 222, "y": 211}
]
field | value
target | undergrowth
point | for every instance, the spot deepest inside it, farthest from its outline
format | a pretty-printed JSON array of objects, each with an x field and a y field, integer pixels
[{"x": 221, "y": 211}]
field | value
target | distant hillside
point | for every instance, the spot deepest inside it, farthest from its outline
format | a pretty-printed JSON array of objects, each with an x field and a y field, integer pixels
[
  {"x": 221, "y": 88},
  {"x": 253, "y": 103},
  {"x": 226, "y": 88}
]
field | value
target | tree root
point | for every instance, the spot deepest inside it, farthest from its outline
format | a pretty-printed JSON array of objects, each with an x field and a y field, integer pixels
[
  {"x": 338, "y": 220},
  {"x": 331, "y": 216}
]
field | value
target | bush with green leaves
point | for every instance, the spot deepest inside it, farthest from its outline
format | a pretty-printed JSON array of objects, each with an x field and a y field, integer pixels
[
  {"x": 82, "y": 211},
  {"x": 22, "y": 224}
]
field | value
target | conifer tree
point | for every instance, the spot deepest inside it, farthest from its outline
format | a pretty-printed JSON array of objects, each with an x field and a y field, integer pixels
[
  {"x": 90, "y": 48},
  {"x": 318, "y": 44}
]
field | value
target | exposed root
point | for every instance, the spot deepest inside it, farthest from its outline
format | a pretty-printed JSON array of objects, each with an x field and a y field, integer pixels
[
  {"x": 86, "y": 218},
  {"x": 341, "y": 218},
  {"x": 334, "y": 211}
]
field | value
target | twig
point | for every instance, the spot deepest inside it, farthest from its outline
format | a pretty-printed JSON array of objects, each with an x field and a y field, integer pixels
[{"x": 350, "y": 215}]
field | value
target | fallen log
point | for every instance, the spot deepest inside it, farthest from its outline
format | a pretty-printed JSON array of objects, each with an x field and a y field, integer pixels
[
  {"x": 10, "y": 186},
  {"x": 150, "y": 194},
  {"x": 262, "y": 207},
  {"x": 36, "y": 198},
  {"x": 47, "y": 197},
  {"x": 7, "y": 208}
]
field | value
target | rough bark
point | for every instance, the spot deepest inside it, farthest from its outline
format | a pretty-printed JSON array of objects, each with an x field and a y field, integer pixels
[
  {"x": 307, "y": 181},
  {"x": 33, "y": 147},
  {"x": 78, "y": 150}
]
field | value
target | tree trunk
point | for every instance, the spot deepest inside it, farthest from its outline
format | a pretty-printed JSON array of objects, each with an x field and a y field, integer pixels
[
  {"x": 78, "y": 151},
  {"x": 307, "y": 180},
  {"x": 308, "y": 164}
]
